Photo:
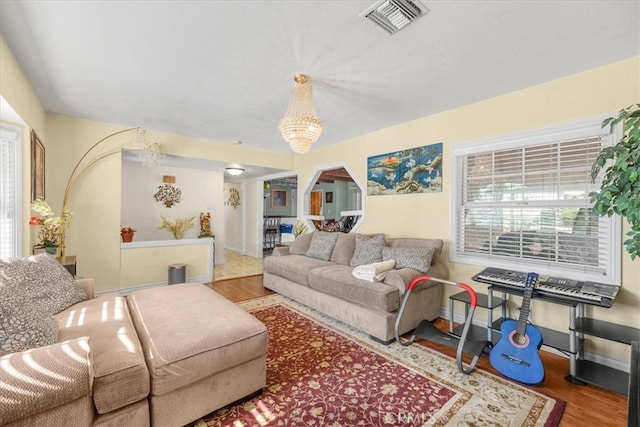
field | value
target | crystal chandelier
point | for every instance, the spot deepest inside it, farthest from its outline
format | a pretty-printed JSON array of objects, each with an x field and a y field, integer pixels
[{"x": 300, "y": 127}]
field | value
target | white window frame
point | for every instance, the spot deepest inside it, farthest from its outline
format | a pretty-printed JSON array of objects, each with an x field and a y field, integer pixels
[
  {"x": 548, "y": 135},
  {"x": 13, "y": 165}
]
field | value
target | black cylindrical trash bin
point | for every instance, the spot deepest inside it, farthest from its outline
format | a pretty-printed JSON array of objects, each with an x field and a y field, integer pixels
[{"x": 177, "y": 273}]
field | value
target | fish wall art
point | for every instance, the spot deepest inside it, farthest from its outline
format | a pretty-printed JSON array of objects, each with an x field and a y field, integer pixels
[{"x": 415, "y": 170}]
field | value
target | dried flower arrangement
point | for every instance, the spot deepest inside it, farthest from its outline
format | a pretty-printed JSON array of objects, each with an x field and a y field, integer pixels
[
  {"x": 168, "y": 194},
  {"x": 177, "y": 227}
]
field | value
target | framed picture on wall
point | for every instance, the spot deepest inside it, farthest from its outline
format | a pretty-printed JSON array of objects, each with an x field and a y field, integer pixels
[
  {"x": 328, "y": 197},
  {"x": 413, "y": 170},
  {"x": 37, "y": 167},
  {"x": 279, "y": 199}
]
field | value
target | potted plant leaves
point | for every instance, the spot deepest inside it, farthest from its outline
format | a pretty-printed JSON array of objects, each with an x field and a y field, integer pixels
[{"x": 620, "y": 188}]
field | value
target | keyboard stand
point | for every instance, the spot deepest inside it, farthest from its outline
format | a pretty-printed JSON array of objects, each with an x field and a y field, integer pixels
[
  {"x": 581, "y": 371},
  {"x": 573, "y": 344}
]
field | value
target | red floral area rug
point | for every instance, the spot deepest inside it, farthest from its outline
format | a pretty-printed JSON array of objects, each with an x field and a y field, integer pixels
[{"x": 321, "y": 372}]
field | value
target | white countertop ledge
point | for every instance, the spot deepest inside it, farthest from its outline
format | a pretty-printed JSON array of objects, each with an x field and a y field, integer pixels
[{"x": 160, "y": 243}]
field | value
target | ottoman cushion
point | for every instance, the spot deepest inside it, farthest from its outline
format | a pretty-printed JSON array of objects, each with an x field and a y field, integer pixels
[{"x": 189, "y": 332}]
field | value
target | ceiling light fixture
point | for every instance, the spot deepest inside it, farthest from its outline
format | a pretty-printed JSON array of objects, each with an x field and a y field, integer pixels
[
  {"x": 300, "y": 127},
  {"x": 235, "y": 171}
]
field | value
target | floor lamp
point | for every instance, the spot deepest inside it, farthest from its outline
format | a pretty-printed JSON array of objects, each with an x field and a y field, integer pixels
[{"x": 150, "y": 155}]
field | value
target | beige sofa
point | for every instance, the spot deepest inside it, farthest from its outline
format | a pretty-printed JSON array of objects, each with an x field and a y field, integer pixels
[
  {"x": 139, "y": 360},
  {"x": 322, "y": 278}
]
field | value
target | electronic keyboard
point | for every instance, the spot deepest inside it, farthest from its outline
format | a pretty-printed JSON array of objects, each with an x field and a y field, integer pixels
[{"x": 594, "y": 293}]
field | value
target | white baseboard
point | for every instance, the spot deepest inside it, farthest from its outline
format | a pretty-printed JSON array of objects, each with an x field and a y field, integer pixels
[{"x": 594, "y": 357}]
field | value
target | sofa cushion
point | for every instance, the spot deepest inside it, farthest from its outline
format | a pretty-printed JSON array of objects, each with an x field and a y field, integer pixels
[
  {"x": 121, "y": 375},
  {"x": 23, "y": 325},
  {"x": 45, "y": 281},
  {"x": 368, "y": 249},
  {"x": 293, "y": 267},
  {"x": 416, "y": 258},
  {"x": 344, "y": 248},
  {"x": 337, "y": 280},
  {"x": 300, "y": 245},
  {"x": 48, "y": 386},
  {"x": 408, "y": 242}
]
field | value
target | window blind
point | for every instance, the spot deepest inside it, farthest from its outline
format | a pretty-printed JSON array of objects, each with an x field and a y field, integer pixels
[
  {"x": 526, "y": 204},
  {"x": 9, "y": 194}
]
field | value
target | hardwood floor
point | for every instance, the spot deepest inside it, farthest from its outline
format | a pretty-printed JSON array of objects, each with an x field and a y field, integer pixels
[
  {"x": 241, "y": 288},
  {"x": 586, "y": 405}
]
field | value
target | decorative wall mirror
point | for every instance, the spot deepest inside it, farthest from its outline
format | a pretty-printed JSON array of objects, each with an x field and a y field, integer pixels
[{"x": 333, "y": 199}]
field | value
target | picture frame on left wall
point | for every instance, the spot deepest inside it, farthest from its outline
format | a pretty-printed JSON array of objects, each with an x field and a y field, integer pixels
[
  {"x": 37, "y": 167},
  {"x": 279, "y": 199}
]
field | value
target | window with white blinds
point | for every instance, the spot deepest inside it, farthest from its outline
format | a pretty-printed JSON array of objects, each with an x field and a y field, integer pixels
[
  {"x": 9, "y": 191},
  {"x": 522, "y": 203}
]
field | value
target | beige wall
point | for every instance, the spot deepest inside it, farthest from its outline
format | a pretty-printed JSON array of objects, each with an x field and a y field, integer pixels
[
  {"x": 148, "y": 266},
  {"x": 593, "y": 93},
  {"x": 17, "y": 91},
  {"x": 96, "y": 198},
  {"x": 233, "y": 218}
]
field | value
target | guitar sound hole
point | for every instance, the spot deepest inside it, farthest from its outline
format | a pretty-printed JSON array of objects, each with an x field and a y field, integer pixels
[{"x": 519, "y": 340}]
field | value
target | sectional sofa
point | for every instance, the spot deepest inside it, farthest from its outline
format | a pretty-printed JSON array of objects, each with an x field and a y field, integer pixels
[{"x": 162, "y": 356}]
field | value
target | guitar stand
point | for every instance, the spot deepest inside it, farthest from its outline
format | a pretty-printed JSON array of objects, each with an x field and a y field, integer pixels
[{"x": 427, "y": 331}]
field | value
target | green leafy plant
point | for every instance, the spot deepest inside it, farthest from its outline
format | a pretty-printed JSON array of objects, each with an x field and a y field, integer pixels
[{"x": 620, "y": 188}]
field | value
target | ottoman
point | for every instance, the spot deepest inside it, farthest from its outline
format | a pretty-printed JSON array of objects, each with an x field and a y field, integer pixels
[{"x": 203, "y": 351}]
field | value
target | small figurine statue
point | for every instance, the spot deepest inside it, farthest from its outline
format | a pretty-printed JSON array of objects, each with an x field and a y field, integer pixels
[{"x": 205, "y": 224}]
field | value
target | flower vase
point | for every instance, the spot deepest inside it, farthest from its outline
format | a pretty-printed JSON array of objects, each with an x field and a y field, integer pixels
[
  {"x": 51, "y": 250},
  {"x": 127, "y": 237}
]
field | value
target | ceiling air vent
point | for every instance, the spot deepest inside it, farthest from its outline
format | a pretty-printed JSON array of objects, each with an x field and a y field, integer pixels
[{"x": 393, "y": 15}]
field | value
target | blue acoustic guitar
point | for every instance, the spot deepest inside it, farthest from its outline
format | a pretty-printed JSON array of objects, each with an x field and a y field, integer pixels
[{"x": 516, "y": 354}]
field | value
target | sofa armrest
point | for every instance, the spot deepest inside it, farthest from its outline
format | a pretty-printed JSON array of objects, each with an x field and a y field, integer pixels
[
  {"x": 38, "y": 380},
  {"x": 402, "y": 277},
  {"x": 88, "y": 287},
  {"x": 280, "y": 251}
]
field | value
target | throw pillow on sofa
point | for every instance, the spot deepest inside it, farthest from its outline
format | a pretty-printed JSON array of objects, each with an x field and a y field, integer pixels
[
  {"x": 44, "y": 281},
  {"x": 22, "y": 325},
  {"x": 416, "y": 258},
  {"x": 300, "y": 245},
  {"x": 408, "y": 242},
  {"x": 344, "y": 248},
  {"x": 368, "y": 249},
  {"x": 322, "y": 243}
]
